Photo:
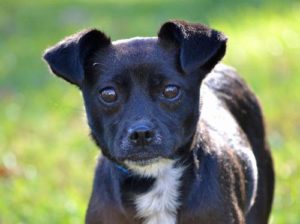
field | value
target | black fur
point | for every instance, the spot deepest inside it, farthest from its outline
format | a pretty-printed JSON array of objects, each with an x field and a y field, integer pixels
[
  {"x": 67, "y": 58},
  {"x": 218, "y": 184},
  {"x": 200, "y": 46}
]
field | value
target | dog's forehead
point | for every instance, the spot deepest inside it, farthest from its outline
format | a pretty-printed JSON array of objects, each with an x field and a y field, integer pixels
[
  {"x": 136, "y": 51},
  {"x": 142, "y": 49},
  {"x": 137, "y": 46}
]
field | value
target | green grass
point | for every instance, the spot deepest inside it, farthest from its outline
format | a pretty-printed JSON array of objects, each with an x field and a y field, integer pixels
[{"x": 46, "y": 158}]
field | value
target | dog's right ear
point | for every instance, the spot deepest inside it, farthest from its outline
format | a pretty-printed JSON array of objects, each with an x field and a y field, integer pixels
[{"x": 66, "y": 59}]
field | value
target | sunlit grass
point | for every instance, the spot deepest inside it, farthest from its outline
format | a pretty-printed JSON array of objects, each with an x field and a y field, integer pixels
[{"x": 46, "y": 158}]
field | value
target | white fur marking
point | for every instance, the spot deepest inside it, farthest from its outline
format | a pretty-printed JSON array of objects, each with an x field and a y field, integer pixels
[
  {"x": 159, "y": 205},
  {"x": 153, "y": 169}
]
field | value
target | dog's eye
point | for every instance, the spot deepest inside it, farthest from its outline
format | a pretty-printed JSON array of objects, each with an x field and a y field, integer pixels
[
  {"x": 171, "y": 91},
  {"x": 108, "y": 95}
]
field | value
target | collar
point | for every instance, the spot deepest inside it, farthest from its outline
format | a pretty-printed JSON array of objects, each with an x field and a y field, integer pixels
[{"x": 122, "y": 169}]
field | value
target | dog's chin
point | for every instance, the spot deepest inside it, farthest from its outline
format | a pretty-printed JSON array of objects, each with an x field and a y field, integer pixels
[
  {"x": 151, "y": 167},
  {"x": 144, "y": 162}
]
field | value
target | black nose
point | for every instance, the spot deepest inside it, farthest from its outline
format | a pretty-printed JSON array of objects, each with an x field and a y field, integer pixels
[{"x": 141, "y": 134}]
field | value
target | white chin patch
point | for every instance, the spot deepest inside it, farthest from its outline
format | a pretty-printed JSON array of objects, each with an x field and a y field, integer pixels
[
  {"x": 159, "y": 205},
  {"x": 149, "y": 168}
]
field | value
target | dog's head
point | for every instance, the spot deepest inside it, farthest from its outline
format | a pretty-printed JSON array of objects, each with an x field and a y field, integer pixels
[{"x": 141, "y": 94}]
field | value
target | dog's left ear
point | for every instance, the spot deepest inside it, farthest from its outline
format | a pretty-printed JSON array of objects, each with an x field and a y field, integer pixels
[{"x": 200, "y": 47}]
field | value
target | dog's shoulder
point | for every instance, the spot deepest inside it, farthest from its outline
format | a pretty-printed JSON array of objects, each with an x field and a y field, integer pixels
[
  {"x": 223, "y": 138},
  {"x": 234, "y": 97},
  {"x": 228, "y": 108},
  {"x": 216, "y": 119}
]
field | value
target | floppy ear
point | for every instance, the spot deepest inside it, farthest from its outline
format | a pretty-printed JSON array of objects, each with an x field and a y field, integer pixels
[
  {"x": 66, "y": 58},
  {"x": 200, "y": 47}
]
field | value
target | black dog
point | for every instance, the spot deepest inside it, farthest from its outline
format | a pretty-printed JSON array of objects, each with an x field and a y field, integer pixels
[{"x": 177, "y": 148}]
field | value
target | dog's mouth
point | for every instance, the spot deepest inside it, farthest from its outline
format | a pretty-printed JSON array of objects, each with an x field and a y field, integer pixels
[{"x": 143, "y": 162}]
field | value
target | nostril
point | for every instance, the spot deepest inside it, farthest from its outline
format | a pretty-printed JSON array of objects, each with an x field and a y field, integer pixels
[
  {"x": 148, "y": 135},
  {"x": 134, "y": 136}
]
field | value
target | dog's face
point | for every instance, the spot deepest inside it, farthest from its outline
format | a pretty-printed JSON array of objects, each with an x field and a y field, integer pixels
[
  {"x": 142, "y": 94},
  {"x": 140, "y": 106}
]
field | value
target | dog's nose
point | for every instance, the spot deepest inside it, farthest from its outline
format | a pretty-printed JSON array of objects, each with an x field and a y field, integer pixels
[{"x": 141, "y": 134}]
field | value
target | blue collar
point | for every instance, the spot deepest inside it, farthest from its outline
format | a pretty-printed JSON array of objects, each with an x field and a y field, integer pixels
[{"x": 122, "y": 169}]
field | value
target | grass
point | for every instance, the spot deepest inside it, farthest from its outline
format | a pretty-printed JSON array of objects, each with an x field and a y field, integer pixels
[{"x": 46, "y": 158}]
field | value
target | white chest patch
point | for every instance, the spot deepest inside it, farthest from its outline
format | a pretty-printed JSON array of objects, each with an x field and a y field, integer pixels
[{"x": 159, "y": 205}]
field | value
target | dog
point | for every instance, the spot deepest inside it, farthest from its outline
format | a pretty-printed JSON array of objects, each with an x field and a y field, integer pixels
[{"x": 182, "y": 136}]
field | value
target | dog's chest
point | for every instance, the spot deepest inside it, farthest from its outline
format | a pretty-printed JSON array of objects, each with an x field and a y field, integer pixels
[{"x": 160, "y": 203}]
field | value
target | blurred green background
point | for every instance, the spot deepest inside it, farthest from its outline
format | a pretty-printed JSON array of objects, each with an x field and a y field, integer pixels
[{"x": 46, "y": 157}]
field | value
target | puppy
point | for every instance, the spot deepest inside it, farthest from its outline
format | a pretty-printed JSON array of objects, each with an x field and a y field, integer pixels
[{"x": 182, "y": 137}]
